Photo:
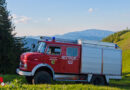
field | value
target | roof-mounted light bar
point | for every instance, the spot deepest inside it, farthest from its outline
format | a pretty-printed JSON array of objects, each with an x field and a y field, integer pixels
[{"x": 58, "y": 40}]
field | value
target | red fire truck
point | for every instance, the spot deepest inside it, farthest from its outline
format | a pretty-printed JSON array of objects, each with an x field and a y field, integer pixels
[{"x": 71, "y": 60}]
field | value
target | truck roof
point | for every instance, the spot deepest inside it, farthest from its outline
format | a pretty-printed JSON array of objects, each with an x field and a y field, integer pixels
[{"x": 77, "y": 42}]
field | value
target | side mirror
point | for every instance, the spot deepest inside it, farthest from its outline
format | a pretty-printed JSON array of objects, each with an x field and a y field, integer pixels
[{"x": 33, "y": 46}]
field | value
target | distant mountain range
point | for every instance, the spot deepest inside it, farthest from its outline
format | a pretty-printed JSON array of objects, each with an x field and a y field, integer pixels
[{"x": 90, "y": 34}]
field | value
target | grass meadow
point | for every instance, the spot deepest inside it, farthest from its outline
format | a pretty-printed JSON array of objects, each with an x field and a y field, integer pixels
[{"x": 16, "y": 82}]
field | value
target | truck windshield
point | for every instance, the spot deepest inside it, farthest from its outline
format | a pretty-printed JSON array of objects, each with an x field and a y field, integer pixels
[{"x": 41, "y": 47}]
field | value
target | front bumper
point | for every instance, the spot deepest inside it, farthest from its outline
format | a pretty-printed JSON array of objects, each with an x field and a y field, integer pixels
[{"x": 18, "y": 71}]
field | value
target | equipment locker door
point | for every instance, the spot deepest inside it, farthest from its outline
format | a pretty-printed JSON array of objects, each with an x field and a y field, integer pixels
[{"x": 71, "y": 60}]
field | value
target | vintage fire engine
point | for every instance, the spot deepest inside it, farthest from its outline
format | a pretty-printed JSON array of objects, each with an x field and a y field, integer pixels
[{"x": 71, "y": 60}]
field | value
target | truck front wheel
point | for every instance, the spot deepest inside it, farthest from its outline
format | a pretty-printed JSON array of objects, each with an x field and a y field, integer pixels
[
  {"x": 42, "y": 77},
  {"x": 98, "y": 80}
]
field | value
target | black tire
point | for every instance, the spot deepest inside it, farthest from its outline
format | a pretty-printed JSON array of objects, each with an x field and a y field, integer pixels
[
  {"x": 29, "y": 79},
  {"x": 42, "y": 77},
  {"x": 98, "y": 80}
]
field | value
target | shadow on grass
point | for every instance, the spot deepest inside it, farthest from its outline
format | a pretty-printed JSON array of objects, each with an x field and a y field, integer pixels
[
  {"x": 126, "y": 74},
  {"x": 124, "y": 83}
]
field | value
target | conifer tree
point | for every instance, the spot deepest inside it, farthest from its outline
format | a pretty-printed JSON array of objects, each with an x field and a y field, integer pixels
[{"x": 10, "y": 46}]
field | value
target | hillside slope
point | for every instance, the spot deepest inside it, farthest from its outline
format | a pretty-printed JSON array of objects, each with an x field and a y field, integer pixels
[{"x": 122, "y": 38}]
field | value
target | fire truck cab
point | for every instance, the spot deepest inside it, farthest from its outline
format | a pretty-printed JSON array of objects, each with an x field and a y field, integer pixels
[{"x": 71, "y": 60}]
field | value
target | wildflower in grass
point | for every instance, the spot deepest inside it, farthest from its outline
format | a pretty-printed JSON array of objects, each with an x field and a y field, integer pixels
[{"x": 2, "y": 84}]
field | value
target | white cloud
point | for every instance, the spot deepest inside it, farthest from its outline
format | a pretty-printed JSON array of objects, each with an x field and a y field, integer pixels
[
  {"x": 90, "y": 10},
  {"x": 20, "y": 19},
  {"x": 49, "y": 19}
]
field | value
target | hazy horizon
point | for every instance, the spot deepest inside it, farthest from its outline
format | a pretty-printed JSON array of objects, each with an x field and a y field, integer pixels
[{"x": 47, "y": 17}]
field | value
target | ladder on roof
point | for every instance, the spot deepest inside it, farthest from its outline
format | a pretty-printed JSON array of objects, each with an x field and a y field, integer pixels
[
  {"x": 59, "y": 40},
  {"x": 99, "y": 43}
]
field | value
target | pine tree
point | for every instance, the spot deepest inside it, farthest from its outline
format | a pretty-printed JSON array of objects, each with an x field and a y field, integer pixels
[{"x": 10, "y": 46}]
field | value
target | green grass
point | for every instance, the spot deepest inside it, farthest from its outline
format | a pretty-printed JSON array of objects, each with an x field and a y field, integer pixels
[
  {"x": 126, "y": 61},
  {"x": 124, "y": 44},
  {"x": 19, "y": 82}
]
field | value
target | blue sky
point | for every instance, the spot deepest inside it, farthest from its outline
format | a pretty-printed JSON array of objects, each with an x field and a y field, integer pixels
[{"x": 50, "y": 17}]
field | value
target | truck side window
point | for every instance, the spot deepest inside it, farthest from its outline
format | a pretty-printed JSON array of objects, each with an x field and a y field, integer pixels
[
  {"x": 72, "y": 51},
  {"x": 52, "y": 50}
]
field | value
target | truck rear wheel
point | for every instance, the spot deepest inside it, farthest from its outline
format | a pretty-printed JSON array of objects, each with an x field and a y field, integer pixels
[
  {"x": 42, "y": 77},
  {"x": 98, "y": 80},
  {"x": 29, "y": 79}
]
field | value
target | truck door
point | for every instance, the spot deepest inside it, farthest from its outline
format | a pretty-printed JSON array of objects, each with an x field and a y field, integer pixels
[
  {"x": 53, "y": 56},
  {"x": 70, "y": 62}
]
